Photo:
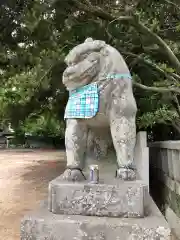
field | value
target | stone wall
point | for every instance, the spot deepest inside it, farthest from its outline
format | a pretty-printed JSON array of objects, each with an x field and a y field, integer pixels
[
  {"x": 141, "y": 157},
  {"x": 165, "y": 180}
]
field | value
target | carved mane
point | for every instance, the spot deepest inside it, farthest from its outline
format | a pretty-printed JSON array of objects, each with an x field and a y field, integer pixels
[{"x": 110, "y": 62}]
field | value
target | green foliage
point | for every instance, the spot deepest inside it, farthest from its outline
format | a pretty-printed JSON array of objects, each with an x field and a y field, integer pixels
[
  {"x": 43, "y": 125},
  {"x": 160, "y": 116},
  {"x": 40, "y": 34}
]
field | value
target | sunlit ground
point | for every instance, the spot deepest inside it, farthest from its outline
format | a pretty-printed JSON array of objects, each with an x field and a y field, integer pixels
[{"x": 24, "y": 178}]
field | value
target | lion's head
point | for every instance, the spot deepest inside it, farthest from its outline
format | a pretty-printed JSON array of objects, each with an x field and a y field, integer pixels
[{"x": 90, "y": 60}]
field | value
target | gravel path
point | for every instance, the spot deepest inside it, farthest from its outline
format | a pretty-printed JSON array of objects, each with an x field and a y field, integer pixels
[{"x": 24, "y": 178}]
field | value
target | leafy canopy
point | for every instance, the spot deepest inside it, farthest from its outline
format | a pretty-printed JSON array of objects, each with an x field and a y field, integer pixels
[{"x": 40, "y": 33}]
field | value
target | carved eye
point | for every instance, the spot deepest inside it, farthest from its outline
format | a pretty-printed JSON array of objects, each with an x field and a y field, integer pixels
[
  {"x": 71, "y": 64},
  {"x": 82, "y": 57},
  {"x": 93, "y": 57}
]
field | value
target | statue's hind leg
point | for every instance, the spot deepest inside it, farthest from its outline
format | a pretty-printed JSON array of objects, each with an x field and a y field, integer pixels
[
  {"x": 123, "y": 131},
  {"x": 75, "y": 141}
]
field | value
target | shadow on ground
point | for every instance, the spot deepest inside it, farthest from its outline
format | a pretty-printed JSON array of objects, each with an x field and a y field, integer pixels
[{"x": 44, "y": 170}]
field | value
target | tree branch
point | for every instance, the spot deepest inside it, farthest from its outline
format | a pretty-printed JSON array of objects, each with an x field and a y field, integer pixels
[
  {"x": 175, "y": 76},
  {"x": 161, "y": 43},
  {"x": 158, "y": 40},
  {"x": 174, "y": 4},
  {"x": 176, "y": 124},
  {"x": 95, "y": 10},
  {"x": 99, "y": 12},
  {"x": 156, "y": 89},
  {"x": 171, "y": 76},
  {"x": 177, "y": 104}
]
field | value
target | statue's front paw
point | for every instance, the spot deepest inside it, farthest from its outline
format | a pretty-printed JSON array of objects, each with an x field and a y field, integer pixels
[
  {"x": 126, "y": 174},
  {"x": 73, "y": 175}
]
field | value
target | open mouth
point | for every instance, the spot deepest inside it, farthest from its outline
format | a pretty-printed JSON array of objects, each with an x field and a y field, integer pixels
[{"x": 80, "y": 76}]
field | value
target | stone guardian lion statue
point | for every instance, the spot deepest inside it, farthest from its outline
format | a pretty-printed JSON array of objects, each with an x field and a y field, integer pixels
[{"x": 100, "y": 97}]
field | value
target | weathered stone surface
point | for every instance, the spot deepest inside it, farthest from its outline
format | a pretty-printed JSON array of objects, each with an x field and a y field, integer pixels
[
  {"x": 176, "y": 164},
  {"x": 96, "y": 62},
  {"x": 174, "y": 221},
  {"x": 141, "y": 157},
  {"x": 110, "y": 198},
  {"x": 43, "y": 225}
]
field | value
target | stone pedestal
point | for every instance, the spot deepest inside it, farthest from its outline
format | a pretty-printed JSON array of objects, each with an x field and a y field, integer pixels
[
  {"x": 44, "y": 225},
  {"x": 111, "y": 198},
  {"x": 110, "y": 210}
]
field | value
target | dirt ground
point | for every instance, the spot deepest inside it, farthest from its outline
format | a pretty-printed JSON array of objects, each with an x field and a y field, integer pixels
[{"x": 24, "y": 178}]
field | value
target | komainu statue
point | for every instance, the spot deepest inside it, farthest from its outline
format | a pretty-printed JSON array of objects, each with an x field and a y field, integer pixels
[{"x": 100, "y": 98}]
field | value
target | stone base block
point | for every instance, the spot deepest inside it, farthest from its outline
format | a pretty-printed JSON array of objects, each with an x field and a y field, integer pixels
[
  {"x": 113, "y": 198},
  {"x": 43, "y": 225}
]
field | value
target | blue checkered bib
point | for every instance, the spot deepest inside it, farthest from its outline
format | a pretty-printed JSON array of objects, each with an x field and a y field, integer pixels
[{"x": 83, "y": 102}]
